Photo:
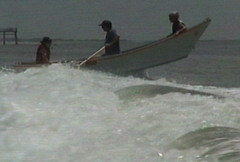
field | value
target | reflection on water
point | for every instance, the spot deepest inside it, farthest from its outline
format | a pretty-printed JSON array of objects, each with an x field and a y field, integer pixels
[{"x": 221, "y": 143}]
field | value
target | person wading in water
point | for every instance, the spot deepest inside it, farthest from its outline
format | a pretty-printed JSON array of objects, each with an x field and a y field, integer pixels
[{"x": 43, "y": 51}]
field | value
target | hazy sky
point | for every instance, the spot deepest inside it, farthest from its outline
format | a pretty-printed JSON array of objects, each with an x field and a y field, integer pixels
[{"x": 133, "y": 19}]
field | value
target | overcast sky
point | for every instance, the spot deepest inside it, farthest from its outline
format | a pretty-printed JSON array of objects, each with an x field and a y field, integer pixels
[{"x": 133, "y": 19}]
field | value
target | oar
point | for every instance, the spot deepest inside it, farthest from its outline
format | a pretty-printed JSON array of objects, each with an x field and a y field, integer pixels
[{"x": 97, "y": 52}]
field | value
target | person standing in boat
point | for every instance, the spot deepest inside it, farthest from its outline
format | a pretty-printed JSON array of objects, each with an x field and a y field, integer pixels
[
  {"x": 111, "y": 40},
  {"x": 43, "y": 51},
  {"x": 177, "y": 25}
]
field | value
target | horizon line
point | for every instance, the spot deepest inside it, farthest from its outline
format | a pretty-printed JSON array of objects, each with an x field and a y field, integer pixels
[{"x": 62, "y": 39}]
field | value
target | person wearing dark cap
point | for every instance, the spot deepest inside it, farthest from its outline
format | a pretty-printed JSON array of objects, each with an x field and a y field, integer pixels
[
  {"x": 111, "y": 40},
  {"x": 43, "y": 51},
  {"x": 177, "y": 25}
]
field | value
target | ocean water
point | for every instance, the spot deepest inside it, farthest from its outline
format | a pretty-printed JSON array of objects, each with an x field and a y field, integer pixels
[{"x": 189, "y": 112}]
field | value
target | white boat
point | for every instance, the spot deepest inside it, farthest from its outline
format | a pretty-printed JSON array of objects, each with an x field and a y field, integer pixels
[{"x": 159, "y": 52}]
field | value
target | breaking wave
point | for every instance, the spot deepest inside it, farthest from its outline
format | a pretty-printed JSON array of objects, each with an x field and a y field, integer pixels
[{"x": 59, "y": 113}]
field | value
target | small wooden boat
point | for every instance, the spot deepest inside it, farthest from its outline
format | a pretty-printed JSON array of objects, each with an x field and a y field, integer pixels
[{"x": 159, "y": 52}]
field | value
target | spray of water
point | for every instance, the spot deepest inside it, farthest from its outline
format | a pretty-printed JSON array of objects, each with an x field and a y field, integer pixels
[{"x": 58, "y": 113}]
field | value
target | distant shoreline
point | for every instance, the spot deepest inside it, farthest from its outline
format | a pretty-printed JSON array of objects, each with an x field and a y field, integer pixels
[
  {"x": 37, "y": 40},
  {"x": 85, "y": 40}
]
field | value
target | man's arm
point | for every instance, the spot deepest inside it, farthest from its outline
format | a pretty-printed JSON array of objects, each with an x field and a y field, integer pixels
[
  {"x": 45, "y": 59},
  {"x": 115, "y": 40},
  {"x": 43, "y": 55},
  {"x": 181, "y": 26}
]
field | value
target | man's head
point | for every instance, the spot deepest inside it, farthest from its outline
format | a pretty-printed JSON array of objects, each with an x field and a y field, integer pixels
[
  {"x": 46, "y": 41},
  {"x": 173, "y": 16},
  {"x": 106, "y": 25}
]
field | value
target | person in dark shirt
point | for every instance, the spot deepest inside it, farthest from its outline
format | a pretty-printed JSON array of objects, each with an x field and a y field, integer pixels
[
  {"x": 111, "y": 40},
  {"x": 177, "y": 25},
  {"x": 43, "y": 51}
]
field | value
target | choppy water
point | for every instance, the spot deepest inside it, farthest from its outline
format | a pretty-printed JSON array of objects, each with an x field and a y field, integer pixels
[{"x": 58, "y": 113}]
